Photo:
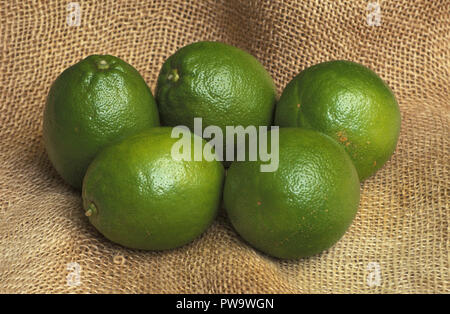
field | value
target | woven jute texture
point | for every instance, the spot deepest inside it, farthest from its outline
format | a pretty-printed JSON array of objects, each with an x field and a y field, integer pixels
[{"x": 398, "y": 242}]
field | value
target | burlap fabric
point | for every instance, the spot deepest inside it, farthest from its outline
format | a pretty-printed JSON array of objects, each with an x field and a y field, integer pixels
[{"x": 398, "y": 242}]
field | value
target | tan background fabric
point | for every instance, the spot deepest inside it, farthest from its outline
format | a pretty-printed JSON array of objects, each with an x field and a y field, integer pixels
[{"x": 400, "y": 235}]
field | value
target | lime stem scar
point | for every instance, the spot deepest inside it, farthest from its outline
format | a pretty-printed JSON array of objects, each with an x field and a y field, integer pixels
[
  {"x": 173, "y": 76},
  {"x": 102, "y": 64},
  {"x": 91, "y": 210}
]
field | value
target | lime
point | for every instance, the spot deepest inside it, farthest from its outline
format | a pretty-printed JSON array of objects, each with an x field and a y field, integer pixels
[
  {"x": 92, "y": 104},
  {"x": 303, "y": 207},
  {"x": 136, "y": 194},
  {"x": 222, "y": 84},
  {"x": 351, "y": 104}
]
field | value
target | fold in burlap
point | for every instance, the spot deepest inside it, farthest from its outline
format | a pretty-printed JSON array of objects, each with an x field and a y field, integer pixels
[{"x": 398, "y": 242}]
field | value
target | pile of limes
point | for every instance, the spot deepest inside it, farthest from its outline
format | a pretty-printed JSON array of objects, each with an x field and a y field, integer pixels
[{"x": 339, "y": 123}]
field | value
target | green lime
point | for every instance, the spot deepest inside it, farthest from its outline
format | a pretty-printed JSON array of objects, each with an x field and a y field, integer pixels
[
  {"x": 92, "y": 104},
  {"x": 138, "y": 195},
  {"x": 351, "y": 104},
  {"x": 303, "y": 207},
  {"x": 222, "y": 84}
]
